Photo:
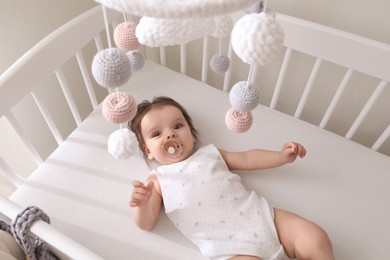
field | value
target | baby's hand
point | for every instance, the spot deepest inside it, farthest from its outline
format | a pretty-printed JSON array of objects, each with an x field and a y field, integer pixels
[
  {"x": 290, "y": 151},
  {"x": 141, "y": 194}
]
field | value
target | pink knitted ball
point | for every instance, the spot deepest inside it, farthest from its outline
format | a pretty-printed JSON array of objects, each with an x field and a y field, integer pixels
[
  {"x": 111, "y": 68},
  {"x": 238, "y": 121},
  {"x": 124, "y": 36},
  {"x": 137, "y": 60},
  {"x": 219, "y": 63},
  {"x": 244, "y": 97},
  {"x": 119, "y": 107}
]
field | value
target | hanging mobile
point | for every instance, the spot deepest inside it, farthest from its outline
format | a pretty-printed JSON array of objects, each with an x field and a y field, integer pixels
[
  {"x": 111, "y": 68},
  {"x": 256, "y": 39}
]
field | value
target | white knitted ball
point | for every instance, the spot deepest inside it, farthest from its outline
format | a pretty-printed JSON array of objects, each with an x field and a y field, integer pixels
[
  {"x": 137, "y": 60},
  {"x": 223, "y": 26},
  {"x": 220, "y": 63},
  {"x": 111, "y": 68},
  {"x": 257, "y": 38},
  {"x": 244, "y": 97},
  {"x": 122, "y": 143}
]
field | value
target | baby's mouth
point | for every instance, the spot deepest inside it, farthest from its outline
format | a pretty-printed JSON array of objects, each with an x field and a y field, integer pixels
[{"x": 172, "y": 149}]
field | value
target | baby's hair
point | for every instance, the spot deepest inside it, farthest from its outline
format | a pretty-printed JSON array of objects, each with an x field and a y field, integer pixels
[{"x": 145, "y": 106}]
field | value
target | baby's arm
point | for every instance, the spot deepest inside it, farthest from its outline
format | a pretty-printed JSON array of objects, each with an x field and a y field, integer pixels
[
  {"x": 257, "y": 159},
  {"x": 146, "y": 202}
]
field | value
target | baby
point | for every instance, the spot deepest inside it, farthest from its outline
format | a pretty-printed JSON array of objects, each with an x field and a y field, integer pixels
[{"x": 206, "y": 201}]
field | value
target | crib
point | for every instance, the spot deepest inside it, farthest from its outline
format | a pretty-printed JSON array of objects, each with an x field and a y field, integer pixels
[{"x": 342, "y": 184}]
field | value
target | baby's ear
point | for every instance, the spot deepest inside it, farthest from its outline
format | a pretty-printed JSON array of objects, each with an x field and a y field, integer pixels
[{"x": 147, "y": 152}]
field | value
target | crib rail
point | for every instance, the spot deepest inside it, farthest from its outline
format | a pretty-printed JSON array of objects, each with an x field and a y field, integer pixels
[
  {"x": 353, "y": 104},
  {"x": 83, "y": 27},
  {"x": 24, "y": 78},
  {"x": 63, "y": 246},
  {"x": 356, "y": 54},
  {"x": 46, "y": 60}
]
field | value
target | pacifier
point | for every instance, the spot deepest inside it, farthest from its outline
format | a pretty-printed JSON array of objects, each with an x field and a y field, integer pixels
[{"x": 172, "y": 149}]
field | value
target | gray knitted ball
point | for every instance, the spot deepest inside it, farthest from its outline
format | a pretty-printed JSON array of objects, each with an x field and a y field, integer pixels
[
  {"x": 137, "y": 60},
  {"x": 220, "y": 63},
  {"x": 244, "y": 97},
  {"x": 111, "y": 68}
]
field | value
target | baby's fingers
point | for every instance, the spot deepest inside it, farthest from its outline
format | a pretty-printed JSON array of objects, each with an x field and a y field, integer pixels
[
  {"x": 299, "y": 150},
  {"x": 294, "y": 148},
  {"x": 137, "y": 197},
  {"x": 140, "y": 194},
  {"x": 134, "y": 202}
]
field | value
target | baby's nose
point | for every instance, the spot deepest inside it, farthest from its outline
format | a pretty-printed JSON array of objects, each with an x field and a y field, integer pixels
[{"x": 171, "y": 136}]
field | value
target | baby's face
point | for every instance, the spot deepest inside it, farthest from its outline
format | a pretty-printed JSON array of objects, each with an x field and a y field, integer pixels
[{"x": 167, "y": 136}]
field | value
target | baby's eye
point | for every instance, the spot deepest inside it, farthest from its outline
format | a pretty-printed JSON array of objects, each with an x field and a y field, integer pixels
[
  {"x": 178, "y": 126},
  {"x": 156, "y": 134}
]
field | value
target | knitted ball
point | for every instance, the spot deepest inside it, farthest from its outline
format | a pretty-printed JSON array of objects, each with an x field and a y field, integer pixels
[
  {"x": 257, "y": 38},
  {"x": 119, "y": 107},
  {"x": 122, "y": 143},
  {"x": 124, "y": 36},
  {"x": 238, "y": 121},
  {"x": 219, "y": 63},
  {"x": 137, "y": 60},
  {"x": 111, "y": 68},
  {"x": 244, "y": 97},
  {"x": 223, "y": 26}
]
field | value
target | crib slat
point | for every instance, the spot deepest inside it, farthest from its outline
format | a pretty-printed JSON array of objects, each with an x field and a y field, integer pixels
[
  {"x": 23, "y": 137},
  {"x": 12, "y": 176},
  {"x": 366, "y": 109},
  {"x": 228, "y": 74},
  {"x": 381, "y": 140},
  {"x": 98, "y": 43},
  {"x": 47, "y": 116},
  {"x": 183, "y": 59},
  {"x": 308, "y": 88},
  {"x": 205, "y": 61},
  {"x": 68, "y": 96},
  {"x": 281, "y": 77},
  {"x": 336, "y": 98},
  {"x": 163, "y": 56},
  {"x": 87, "y": 79}
]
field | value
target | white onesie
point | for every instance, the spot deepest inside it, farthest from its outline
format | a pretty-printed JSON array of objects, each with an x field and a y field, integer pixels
[{"x": 211, "y": 207}]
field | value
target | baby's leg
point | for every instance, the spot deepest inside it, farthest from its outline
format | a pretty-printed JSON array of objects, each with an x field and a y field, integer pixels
[{"x": 301, "y": 238}]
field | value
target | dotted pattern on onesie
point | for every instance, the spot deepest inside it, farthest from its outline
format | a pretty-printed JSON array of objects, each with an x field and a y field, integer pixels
[{"x": 211, "y": 207}]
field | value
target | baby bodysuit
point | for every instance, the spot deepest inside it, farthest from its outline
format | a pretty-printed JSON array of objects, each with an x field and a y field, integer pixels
[{"x": 212, "y": 208}]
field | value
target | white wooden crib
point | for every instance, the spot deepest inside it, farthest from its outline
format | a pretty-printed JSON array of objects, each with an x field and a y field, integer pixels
[{"x": 342, "y": 184}]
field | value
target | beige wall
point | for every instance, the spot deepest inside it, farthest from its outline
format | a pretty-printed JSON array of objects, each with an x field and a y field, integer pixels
[
  {"x": 369, "y": 18},
  {"x": 23, "y": 23}
]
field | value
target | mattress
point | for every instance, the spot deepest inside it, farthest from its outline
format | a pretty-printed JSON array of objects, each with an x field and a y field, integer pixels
[{"x": 341, "y": 185}]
